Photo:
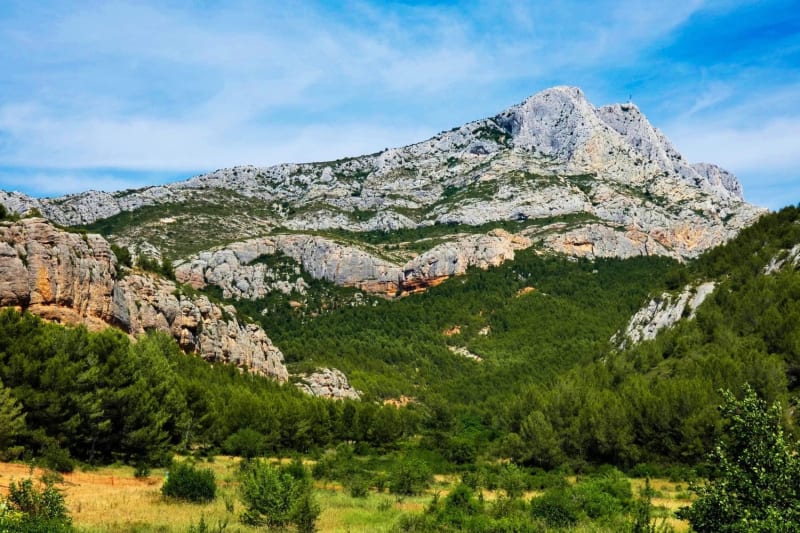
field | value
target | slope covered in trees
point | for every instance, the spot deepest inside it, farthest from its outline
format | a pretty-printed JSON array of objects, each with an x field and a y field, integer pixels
[
  {"x": 550, "y": 388},
  {"x": 99, "y": 397}
]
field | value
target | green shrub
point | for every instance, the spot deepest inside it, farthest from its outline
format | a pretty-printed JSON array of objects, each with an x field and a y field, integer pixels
[
  {"x": 246, "y": 443},
  {"x": 57, "y": 458},
  {"x": 186, "y": 482},
  {"x": 358, "y": 486},
  {"x": 513, "y": 481},
  {"x": 557, "y": 508},
  {"x": 30, "y": 509},
  {"x": 410, "y": 476},
  {"x": 276, "y": 497},
  {"x": 141, "y": 470},
  {"x": 123, "y": 255},
  {"x": 605, "y": 495}
]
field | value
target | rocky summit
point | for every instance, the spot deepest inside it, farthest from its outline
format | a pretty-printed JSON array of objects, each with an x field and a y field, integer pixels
[
  {"x": 554, "y": 173},
  {"x": 579, "y": 180}
]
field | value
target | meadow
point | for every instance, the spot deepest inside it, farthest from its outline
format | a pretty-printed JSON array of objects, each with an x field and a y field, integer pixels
[{"x": 112, "y": 499}]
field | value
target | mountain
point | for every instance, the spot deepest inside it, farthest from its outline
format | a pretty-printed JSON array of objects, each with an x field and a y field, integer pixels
[
  {"x": 552, "y": 174},
  {"x": 577, "y": 179}
]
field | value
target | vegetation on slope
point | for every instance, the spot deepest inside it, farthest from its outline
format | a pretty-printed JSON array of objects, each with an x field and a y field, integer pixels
[
  {"x": 550, "y": 391},
  {"x": 98, "y": 397}
]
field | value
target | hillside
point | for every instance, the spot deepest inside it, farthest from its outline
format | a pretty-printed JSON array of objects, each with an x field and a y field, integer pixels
[
  {"x": 555, "y": 286},
  {"x": 574, "y": 178}
]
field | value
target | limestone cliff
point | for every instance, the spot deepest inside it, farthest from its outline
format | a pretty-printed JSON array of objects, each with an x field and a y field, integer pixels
[
  {"x": 328, "y": 383},
  {"x": 663, "y": 312},
  {"x": 72, "y": 279},
  {"x": 235, "y": 270}
]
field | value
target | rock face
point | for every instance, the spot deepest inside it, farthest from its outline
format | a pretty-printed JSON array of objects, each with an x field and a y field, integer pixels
[
  {"x": 234, "y": 270},
  {"x": 664, "y": 312},
  {"x": 200, "y": 326},
  {"x": 72, "y": 279},
  {"x": 454, "y": 258},
  {"x": 787, "y": 257},
  {"x": 64, "y": 277},
  {"x": 328, "y": 383},
  {"x": 617, "y": 179}
]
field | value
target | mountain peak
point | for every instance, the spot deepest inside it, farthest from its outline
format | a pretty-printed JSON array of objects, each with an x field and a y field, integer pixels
[{"x": 553, "y": 156}]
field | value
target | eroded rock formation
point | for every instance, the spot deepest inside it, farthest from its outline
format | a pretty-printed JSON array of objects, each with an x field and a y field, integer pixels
[
  {"x": 663, "y": 312},
  {"x": 72, "y": 279}
]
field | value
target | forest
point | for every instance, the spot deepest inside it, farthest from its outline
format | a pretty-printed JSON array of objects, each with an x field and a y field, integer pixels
[{"x": 550, "y": 393}]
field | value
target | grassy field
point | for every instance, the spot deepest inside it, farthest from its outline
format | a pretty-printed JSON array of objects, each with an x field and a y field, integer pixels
[{"x": 111, "y": 499}]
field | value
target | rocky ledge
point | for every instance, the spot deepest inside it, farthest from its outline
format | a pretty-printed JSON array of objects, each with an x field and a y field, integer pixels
[
  {"x": 328, "y": 383},
  {"x": 72, "y": 279},
  {"x": 663, "y": 312},
  {"x": 235, "y": 269}
]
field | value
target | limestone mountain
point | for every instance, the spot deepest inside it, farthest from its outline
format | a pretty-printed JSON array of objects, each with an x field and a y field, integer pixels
[
  {"x": 568, "y": 176},
  {"x": 551, "y": 174}
]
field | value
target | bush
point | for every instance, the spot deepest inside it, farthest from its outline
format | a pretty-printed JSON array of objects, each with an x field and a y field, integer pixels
[
  {"x": 557, "y": 508},
  {"x": 605, "y": 495},
  {"x": 141, "y": 470},
  {"x": 34, "y": 510},
  {"x": 513, "y": 481},
  {"x": 755, "y": 484},
  {"x": 246, "y": 443},
  {"x": 275, "y": 497},
  {"x": 359, "y": 486},
  {"x": 123, "y": 255},
  {"x": 410, "y": 476},
  {"x": 57, "y": 458},
  {"x": 186, "y": 482}
]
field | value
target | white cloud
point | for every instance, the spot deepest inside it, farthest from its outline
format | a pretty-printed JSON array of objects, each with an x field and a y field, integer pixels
[{"x": 772, "y": 146}]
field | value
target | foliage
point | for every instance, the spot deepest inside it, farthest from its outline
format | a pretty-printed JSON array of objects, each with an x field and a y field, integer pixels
[
  {"x": 123, "y": 255},
  {"x": 246, "y": 442},
  {"x": 12, "y": 418},
  {"x": 97, "y": 397},
  {"x": 755, "y": 484},
  {"x": 276, "y": 497},
  {"x": 600, "y": 497},
  {"x": 203, "y": 527},
  {"x": 187, "y": 482},
  {"x": 162, "y": 268},
  {"x": 410, "y": 476},
  {"x": 34, "y": 509},
  {"x": 556, "y": 508}
]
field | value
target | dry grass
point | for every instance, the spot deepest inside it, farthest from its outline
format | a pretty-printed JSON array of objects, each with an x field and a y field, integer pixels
[
  {"x": 669, "y": 498},
  {"x": 111, "y": 499}
]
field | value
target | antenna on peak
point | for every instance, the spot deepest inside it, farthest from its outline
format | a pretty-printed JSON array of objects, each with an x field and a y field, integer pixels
[{"x": 630, "y": 98}]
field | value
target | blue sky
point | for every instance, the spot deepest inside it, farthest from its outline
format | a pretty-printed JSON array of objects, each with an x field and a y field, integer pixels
[{"x": 111, "y": 95}]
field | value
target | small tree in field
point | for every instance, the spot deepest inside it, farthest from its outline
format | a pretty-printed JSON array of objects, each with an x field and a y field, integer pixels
[
  {"x": 756, "y": 485},
  {"x": 276, "y": 497},
  {"x": 186, "y": 482}
]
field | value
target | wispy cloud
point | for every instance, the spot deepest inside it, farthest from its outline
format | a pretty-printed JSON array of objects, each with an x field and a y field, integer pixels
[{"x": 178, "y": 87}]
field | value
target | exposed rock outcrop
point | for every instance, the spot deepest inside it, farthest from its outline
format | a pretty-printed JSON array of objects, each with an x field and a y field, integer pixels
[
  {"x": 328, "y": 383},
  {"x": 553, "y": 155},
  {"x": 463, "y": 352},
  {"x": 664, "y": 312},
  {"x": 64, "y": 277},
  {"x": 454, "y": 258},
  {"x": 200, "y": 326},
  {"x": 786, "y": 257},
  {"x": 233, "y": 268},
  {"x": 72, "y": 279}
]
